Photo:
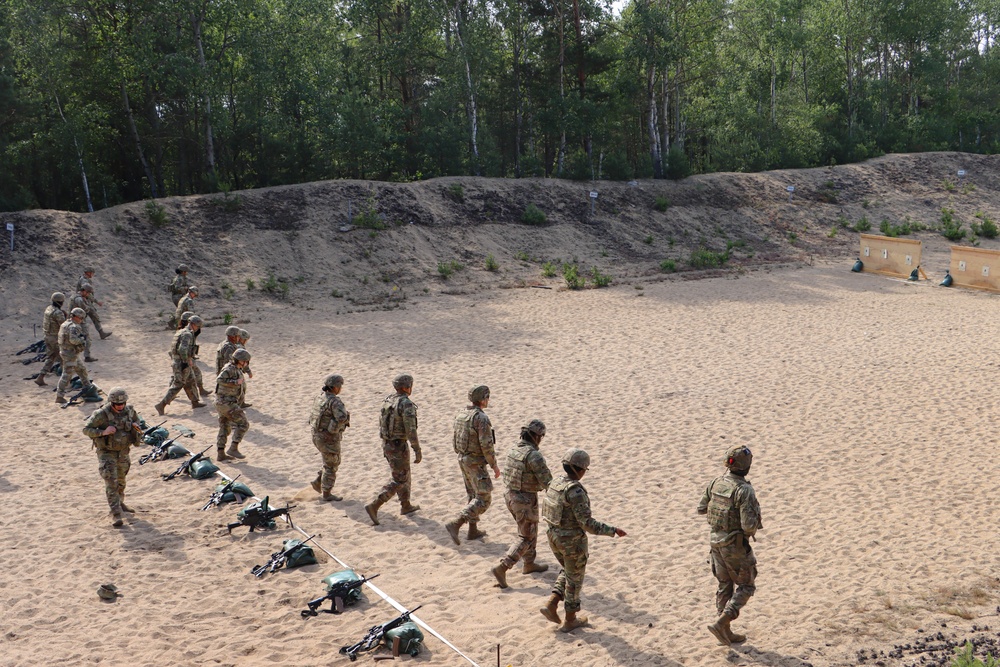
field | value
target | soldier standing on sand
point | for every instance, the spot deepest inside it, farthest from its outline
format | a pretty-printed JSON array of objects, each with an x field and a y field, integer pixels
[
  {"x": 115, "y": 427},
  {"x": 182, "y": 354},
  {"x": 474, "y": 442},
  {"x": 92, "y": 302},
  {"x": 228, "y": 387},
  {"x": 328, "y": 420},
  {"x": 179, "y": 285},
  {"x": 566, "y": 510},
  {"x": 51, "y": 321},
  {"x": 734, "y": 515},
  {"x": 186, "y": 303},
  {"x": 82, "y": 301},
  {"x": 224, "y": 352},
  {"x": 525, "y": 473},
  {"x": 244, "y": 336},
  {"x": 198, "y": 380},
  {"x": 72, "y": 342},
  {"x": 397, "y": 426}
]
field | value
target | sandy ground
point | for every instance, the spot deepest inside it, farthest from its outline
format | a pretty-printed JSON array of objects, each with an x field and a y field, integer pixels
[{"x": 867, "y": 402}]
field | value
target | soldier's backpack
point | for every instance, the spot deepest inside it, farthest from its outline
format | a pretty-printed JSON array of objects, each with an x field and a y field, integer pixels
[
  {"x": 237, "y": 494},
  {"x": 156, "y": 437},
  {"x": 410, "y": 638},
  {"x": 344, "y": 577},
  {"x": 202, "y": 469},
  {"x": 302, "y": 556}
]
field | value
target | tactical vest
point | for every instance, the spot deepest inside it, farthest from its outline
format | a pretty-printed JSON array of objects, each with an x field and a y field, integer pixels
[
  {"x": 229, "y": 391},
  {"x": 124, "y": 435},
  {"x": 321, "y": 415},
  {"x": 223, "y": 355},
  {"x": 68, "y": 331},
  {"x": 555, "y": 507},
  {"x": 53, "y": 319},
  {"x": 390, "y": 426},
  {"x": 466, "y": 438},
  {"x": 723, "y": 515},
  {"x": 516, "y": 474}
]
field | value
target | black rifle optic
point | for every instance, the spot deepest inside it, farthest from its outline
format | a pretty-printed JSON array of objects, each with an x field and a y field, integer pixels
[
  {"x": 336, "y": 595},
  {"x": 186, "y": 466},
  {"x": 258, "y": 517},
  {"x": 374, "y": 636},
  {"x": 278, "y": 559},
  {"x": 217, "y": 495}
]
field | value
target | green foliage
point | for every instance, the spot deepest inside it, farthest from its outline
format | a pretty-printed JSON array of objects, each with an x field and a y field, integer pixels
[
  {"x": 965, "y": 657},
  {"x": 368, "y": 216},
  {"x": 678, "y": 165},
  {"x": 578, "y": 166},
  {"x": 533, "y": 215},
  {"x": 832, "y": 233},
  {"x": 491, "y": 263},
  {"x": 227, "y": 290},
  {"x": 456, "y": 191},
  {"x": 968, "y": 188},
  {"x": 337, "y": 294},
  {"x": 156, "y": 213},
  {"x": 891, "y": 230},
  {"x": 549, "y": 270},
  {"x": 703, "y": 258},
  {"x": 571, "y": 274},
  {"x": 274, "y": 286},
  {"x": 600, "y": 279},
  {"x": 862, "y": 225},
  {"x": 668, "y": 266},
  {"x": 648, "y": 240},
  {"x": 445, "y": 269},
  {"x": 661, "y": 204},
  {"x": 227, "y": 319},
  {"x": 250, "y": 284},
  {"x": 986, "y": 228},
  {"x": 523, "y": 256},
  {"x": 948, "y": 185},
  {"x": 951, "y": 228}
]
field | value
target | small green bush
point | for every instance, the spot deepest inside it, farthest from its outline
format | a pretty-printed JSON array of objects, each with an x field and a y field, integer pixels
[
  {"x": 862, "y": 225},
  {"x": 951, "y": 229},
  {"x": 648, "y": 240},
  {"x": 948, "y": 185},
  {"x": 156, "y": 213},
  {"x": 678, "y": 165},
  {"x": 703, "y": 258},
  {"x": 987, "y": 228},
  {"x": 445, "y": 269},
  {"x": 965, "y": 657},
  {"x": 661, "y": 204},
  {"x": 491, "y": 263},
  {"x": 600, "y": 279},
  {"x": 457, "y": 192},
  {"x": 572, "y": 276},
  {"x": 250, "y": 284},
  {"x": 533, "y": 215},
  {"x": 893, "y": 231},
  {"x": 227, "y": 319},
  {"x": 549, "y": 270},
  {"x": 668, "y": 266}
]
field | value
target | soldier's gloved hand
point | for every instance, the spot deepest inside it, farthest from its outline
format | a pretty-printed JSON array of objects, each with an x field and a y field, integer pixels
[
  {"x": 416, "y": 455},
  {"x": 109, "y": 430}
]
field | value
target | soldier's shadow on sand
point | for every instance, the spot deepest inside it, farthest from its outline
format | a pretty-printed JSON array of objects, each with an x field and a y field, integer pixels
[
  {"x": 747, "y": 654},
  {"x": 623, "y": 611},
  {"x": 141, "y": 535},
  {"x": 617, "y": 648}
]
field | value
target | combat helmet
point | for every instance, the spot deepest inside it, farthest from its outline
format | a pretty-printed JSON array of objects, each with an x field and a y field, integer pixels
[
  {"x": 403, "y": 380},
  {"x": 480, "y": 393},
  {"x": 78, "y": 312},
  {"x": 182, "y": 268},
  {"x": 192, "y": 290},
  {"x": 194, "y": 319},
  {"x": 241, "y": 355},
  {"x": 58, "y": 297},
  {"x": 108, "y": 592},
  {"x": 232, "y": 332},
  {"x": 739, "y": 458},
  {"x": 87, "y": 287},
  {"x": 535, "y": 427},
  {"x": 118, "y": 395},
  {"x": 332, "y": 381},
  {"x": 577, "y": 458}
]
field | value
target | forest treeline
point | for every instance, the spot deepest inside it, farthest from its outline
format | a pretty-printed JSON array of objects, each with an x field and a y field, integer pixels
[{"x": 106, "y": 101}]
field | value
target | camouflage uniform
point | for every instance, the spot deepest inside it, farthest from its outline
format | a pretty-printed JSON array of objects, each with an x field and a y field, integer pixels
[
  {"x": 734, "y": 515},
  {"x": 185, "y": 304},
  {"x": 113, "y": 450},
  {"x": 398, "y": 424},
  {"x": 525, "y": 473},
  {"x": 81, "y": 302},
  {"x": 224, "y": 353},
  {"x": 329, "y": 418},
  {"x": 178, "y": 287},
  {"x": 72, "y": 343},
  {"x": 91, "y": 305},
  {"x": 232, "y": 419},
  {"x": 473, "y": 442},
  {"x": 182, "y": 354},
  {"x": 51, "y": 321},
  {"x": 566, "y": 510}
]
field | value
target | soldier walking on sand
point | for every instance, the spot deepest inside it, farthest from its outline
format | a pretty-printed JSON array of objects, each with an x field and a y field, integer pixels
[
  {"x": 525, "y": 473},
  {"x": 224, "y": 352},
  {"x": 72, "y": 342},
  {"x": 244, "y": 336},
  {"x": 51, "y": 321},
  {"x": 114, "y": 428},
  {"x": 397, "y": 426},
  {"x": 734, "y": 515},
  {"x": 92, "y": 302},
  {"x": 179, "y": 285},
  {"x": 186, "y": 303},
  {"x": 81, "y": 300},
  {"x": 474, "y": 442},
  {"x": 198, "y": 380},
  {"x": 182, "y": 354},
  {"x": 328, "y": 420},
  {"x": 232, "y": 419},
  {"x": 566, "y": 510}
]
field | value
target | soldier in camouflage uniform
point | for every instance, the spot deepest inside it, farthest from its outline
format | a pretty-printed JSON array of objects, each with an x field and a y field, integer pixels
[
  {"x": 734, "y": 515},
  {"x": 82, "y": 301},
  {"x": 51, "y": 321},
  {"x": 244, "y": 336},
  {"x": 228, "y": 387},
  {"x": 72, "y": 343},
  {"x": 525, "y": 473},
  {"x": 182, "y": 355},
  {"x": 566, "y": 510},
  {"x": 186, "y": 303},
  {"x": 328, "y": 420},
  {"x": 92, "y": 302},
  {"x": 474, "y": 442},
  {"x": 179, "y": 285},
  {"x": 115, "y": 427},
  {"x": 224, "y": 352},
  {"x": 397, "y": 426},
  {"x": 198, "y": 379}
]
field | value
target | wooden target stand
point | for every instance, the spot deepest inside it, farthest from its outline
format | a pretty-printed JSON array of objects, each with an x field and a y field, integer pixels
[
  {"x": 975, "y": 268},
  {"x": 890, "y": 256}
]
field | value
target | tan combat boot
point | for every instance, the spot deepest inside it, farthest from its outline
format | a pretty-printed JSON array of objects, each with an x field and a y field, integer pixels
[
  {"x": 197, "y": 404},
  {"x": 500, "y": 572},
  {"x": 528, "y": 568},
  {"x": 40, "y": 380},
  {"x": 572, "y": 622},
  {"x": 453, "y": 527},
  {"x": 234, "y": 451},
  {"x": 125, "y": 508},
  {"x": 720, "y": 629},
  {"x": 60, "y": 398},
  {"x": 116, "y": 519},
  {"x": 315, "y": 484},
  {"x": 220, "y": 454},
  {"x": 408, "y": 508},
  {"x": 329, "y": 495},
  {"x": 474, "y": 532},
  {"x": 106, "y": 334},
  {"x": 372, "y": 509},
  {"x": 551, "y": 608},
  {"x": 160, "y": 407}
]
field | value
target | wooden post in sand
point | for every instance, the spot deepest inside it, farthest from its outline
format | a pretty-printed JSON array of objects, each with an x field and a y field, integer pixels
[
  {"x": 975, "y": 268},
  {"x": 890, "y": 256}
]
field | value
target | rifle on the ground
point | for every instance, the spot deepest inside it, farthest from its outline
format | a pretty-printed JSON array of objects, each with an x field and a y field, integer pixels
[
  {"x": 73, "y": 399},
  {"x": 37, "y": 346},
  {"x": 258, "y": 517},
  {"x": 217, "y": 496},
  {"x": 186, "y": 466},
  {"x": 336, "y": 595},
  {"x": 150, "y": 429},
  {"x": 374, "y": 637},
  {"x": 278, "y": 560},
  {"x": 157, "y": 452},
  {"x": 41, "y": 356}
]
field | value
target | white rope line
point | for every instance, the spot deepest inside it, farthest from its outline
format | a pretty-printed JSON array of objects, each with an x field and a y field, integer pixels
[{"x": 378, "y": 591}]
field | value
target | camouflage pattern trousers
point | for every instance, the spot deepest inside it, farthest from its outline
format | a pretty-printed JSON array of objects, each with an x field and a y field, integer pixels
[
  {"x": 71, "y": 366},
  {"x": 182, "y": 378},
  {"x": 113, "y": 467},
  {"x": 51, "y": 354},
  {"x": 735, "y": 566},
  {"x": 397, "y": 453},
  {"x": 96, "y": 319},
  {"x": 478, "y": 487},
  {"x": 570, "y": 549},
  {"x": 233, "y": 420},
  {"x": 523, "y": 506},
  {"x": 329, "y": 448}
]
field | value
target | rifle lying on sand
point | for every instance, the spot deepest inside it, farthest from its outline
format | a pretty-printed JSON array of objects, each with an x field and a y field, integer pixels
[
  {"x": 217, "y": 495},
  {"x": 158, "y": 452},
  {"x": 186, "y": 466},
  {"x": 86, "y": 391},
  {"x": 336, "y": 595},
  {"x": 36, "y": 347},
  {"x": 259, "y": 516},
  {"x": 375, "y": 635},
  {"x": 278, "y": 559},
  {"x": 41, "y": 356}
]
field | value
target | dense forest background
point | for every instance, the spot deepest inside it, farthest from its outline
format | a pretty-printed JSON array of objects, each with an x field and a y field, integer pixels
[{"x": 106, "y": 101}]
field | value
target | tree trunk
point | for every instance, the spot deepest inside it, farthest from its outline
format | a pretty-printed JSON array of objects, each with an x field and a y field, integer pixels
[
  {"x": 473, "y": 115},
  {"x": 79, "y": 158},
  {"x": 562, "y": 91},
  {"x": 138, "y": 144},
  {"x": 196, "y": 22},
  {"x": 651, "y": 123}
]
